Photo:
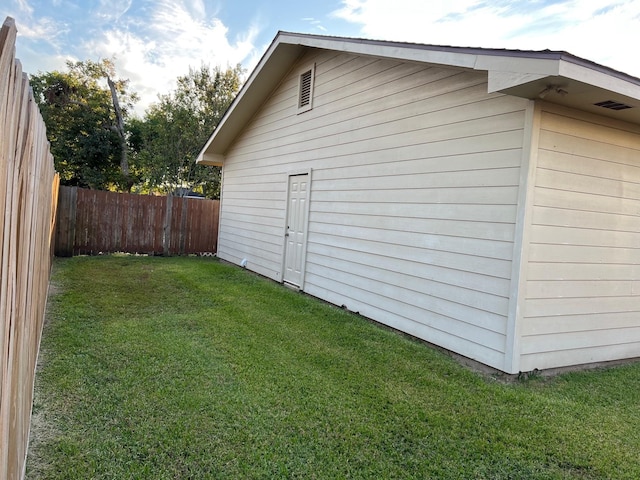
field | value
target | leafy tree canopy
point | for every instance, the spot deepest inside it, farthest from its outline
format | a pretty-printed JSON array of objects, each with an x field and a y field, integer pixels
[
  {"x": 174, "y": 130},
  {"x": 82, "y": 125},
  {"x": 96, "y": 143}
]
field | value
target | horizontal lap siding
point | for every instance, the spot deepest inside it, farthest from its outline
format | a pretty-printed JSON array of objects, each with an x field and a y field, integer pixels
[
  {"x": 583, "y": 279},
  {"x": 413, "y": 196}
]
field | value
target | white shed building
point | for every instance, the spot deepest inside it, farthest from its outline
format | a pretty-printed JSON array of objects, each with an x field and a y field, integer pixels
[{"x": 486, "y": 201}]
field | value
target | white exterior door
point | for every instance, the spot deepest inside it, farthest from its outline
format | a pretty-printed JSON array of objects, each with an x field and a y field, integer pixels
[{"x": 296, "y": 229}]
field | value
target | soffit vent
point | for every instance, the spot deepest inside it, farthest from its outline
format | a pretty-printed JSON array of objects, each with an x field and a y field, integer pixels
[
  {"x": 613, "y": 105},
  {"x": 305, "y": 89}
]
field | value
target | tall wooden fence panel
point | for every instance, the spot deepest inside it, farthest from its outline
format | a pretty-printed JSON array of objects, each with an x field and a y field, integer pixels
[
  {"x": 28, "y": 191},
  {"x": 92, "y": 221}
]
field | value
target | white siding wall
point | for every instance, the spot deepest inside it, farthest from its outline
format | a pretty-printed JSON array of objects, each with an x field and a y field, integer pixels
[
  {"x": 583, "y": 280},
  {"x": 413, "y": 197}
]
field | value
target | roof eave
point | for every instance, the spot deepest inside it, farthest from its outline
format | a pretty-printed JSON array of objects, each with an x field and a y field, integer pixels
[
  {"x": 513, "y": 72},
  {"x": 578, "y": 85},
  {"x": 278, "y": 58}
]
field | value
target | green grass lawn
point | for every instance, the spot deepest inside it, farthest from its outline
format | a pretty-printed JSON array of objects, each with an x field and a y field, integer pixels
[{"x": 176, "y": 368}]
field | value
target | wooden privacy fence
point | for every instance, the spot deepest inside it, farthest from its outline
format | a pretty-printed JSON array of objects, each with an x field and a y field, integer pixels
[
  {"x": 93, "y": 221},
  {"x": 28, "y": 190}
]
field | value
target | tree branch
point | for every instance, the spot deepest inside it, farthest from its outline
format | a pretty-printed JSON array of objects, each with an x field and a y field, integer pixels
[{"x": 119, "y": 128}]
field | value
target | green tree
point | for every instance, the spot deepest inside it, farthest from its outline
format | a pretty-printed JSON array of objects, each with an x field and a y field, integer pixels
[
  {"x": 84, "y": 110},
  {"x": 174, "y": 130}
]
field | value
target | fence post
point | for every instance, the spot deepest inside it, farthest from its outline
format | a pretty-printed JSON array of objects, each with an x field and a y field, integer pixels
[
  {"x": 183, "y": 224},
  {"x": 66, "y": 221},
  {"x": 166, "y": 228}
]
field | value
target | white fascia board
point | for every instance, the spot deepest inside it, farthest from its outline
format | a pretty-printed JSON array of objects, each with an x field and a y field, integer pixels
[
  {"x": 506, "y": 72},
  {"x": 407, "y": 52},
  {"x": 499, "y": 81},
  {"x": 258, "y": 85},
  {"x": 597, "y": 78},
  {"x": 515, "y": 64},
  {"x": 212, "y": 159},
  {"x": 203, "y": 151},
  {"x": 286, "y": 44}
]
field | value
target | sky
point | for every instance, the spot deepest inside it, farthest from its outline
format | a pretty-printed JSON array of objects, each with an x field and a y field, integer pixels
[{"x": 155, "y": 41}]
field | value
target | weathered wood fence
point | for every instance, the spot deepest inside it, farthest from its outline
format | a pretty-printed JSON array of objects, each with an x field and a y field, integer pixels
[
  {"x": 93, "y": 221},
  {"x": 28, "y": 190}
]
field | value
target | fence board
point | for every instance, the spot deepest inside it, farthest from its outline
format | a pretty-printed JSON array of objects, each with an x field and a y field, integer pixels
[
  {"x": 66, "y": 222},
  {"x": 28, "y": 191},
  {"x": 91, "y": 222}
]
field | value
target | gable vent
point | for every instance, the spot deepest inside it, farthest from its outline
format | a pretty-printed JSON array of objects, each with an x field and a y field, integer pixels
[
  {"x": 613, "y": 105},
  {"x": 305, "y": 89}
]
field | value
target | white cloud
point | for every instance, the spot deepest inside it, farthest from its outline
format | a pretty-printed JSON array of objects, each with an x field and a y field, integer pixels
[
  {"x": 176, "y": 36},
  {"x": 315, "y": 24},
  {"x": 43, "y": 29},
  {"x": 29, "y": 25},
  {"x": 155, "y": 41},
  {"x": 111, "y": 10},
  {"x": 48, "y": 63},
  {"x": 197, "y": 8},
  {"x": 24, "y": 6},
  {"x": 35, "y": 34},
  {"x": 152, "y": 45},
  {"x": 600, "y": 31}
]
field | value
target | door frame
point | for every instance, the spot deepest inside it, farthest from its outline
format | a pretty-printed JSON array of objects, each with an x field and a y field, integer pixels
[{"x": 294, "y": 173}]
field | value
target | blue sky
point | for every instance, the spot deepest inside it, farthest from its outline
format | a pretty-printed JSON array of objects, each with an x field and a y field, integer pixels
[{"x": 155, "y": 41}]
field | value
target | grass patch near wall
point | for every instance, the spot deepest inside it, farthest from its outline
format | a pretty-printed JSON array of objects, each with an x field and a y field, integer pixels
[{"x": 178, "y": 368}]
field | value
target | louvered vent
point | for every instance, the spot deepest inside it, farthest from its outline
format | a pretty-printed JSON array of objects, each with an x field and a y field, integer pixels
[
  {"x": 305, "y": 89},
  {"x": 613, "y": 105}
]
